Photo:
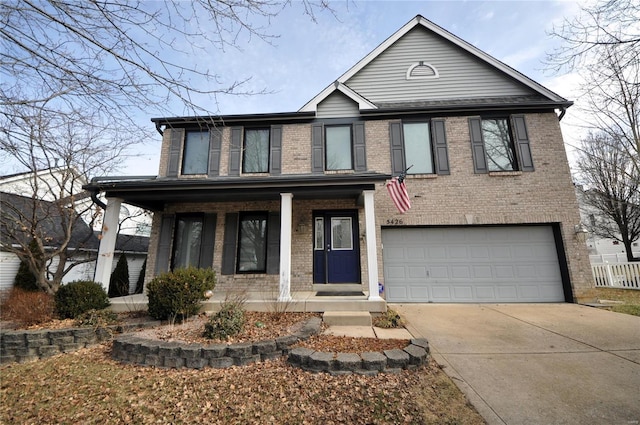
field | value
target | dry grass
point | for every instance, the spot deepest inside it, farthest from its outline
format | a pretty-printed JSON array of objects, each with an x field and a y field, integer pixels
[
  {"x": 88, "y": 387},
  {"x": 27, "y": 308},
  {"x": 630, "y": 299}
]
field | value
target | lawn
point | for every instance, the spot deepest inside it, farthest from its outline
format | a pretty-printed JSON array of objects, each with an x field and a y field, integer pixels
[
  {"x": 88, "y": 387},
  {"x": 630, "y": 299}
]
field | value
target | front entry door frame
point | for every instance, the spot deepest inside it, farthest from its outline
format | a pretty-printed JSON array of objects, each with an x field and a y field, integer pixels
[{"x": 336, "y": 247}]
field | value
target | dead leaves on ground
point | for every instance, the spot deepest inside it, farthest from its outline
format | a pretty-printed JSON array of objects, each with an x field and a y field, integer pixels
[{"x": 88, "y": 387}]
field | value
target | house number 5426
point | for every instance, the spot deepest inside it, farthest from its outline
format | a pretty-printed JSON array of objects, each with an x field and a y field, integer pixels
[{"x": 394, "y": 221}]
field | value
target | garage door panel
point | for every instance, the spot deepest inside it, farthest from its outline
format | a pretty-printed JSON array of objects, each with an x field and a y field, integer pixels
[{"x": 472, "y": 264}]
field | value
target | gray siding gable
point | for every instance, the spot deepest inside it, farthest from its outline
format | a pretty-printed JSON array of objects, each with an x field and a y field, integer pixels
[
  {"x": 461, "y": 75},
  {"x": 337, "y": 105}
]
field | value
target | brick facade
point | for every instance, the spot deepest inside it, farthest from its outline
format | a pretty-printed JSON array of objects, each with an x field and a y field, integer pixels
[{"x": 545, "y": 195}]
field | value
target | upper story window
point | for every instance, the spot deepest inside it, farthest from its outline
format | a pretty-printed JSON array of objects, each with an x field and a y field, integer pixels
[
  {"x": 338, "y": 148},
  {"x": 419, "y": 145},
  {"x": 195, "y": 158},
  {"x": 255, "y": 156},
  {"x": 418, "y": 151},
  {"x": 187, "y": 241},
  {"x": 498, "y": 145}
]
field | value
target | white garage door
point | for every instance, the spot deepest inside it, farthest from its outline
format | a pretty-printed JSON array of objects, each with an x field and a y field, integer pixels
[{"x": 471, "y": 264}]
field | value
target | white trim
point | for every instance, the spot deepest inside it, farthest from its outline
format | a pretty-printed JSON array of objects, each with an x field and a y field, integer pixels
[
  {"x": 107, "y": 243},
  {"x": 422, "y": 77},
  {"x": 370, "y": 235},
  {"x": 285, "y": 246},
  {"x": 419, "y": 20},
  {"x": 363, "y": 104}
]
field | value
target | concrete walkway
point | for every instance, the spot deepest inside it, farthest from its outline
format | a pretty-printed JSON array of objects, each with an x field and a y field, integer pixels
[{"x": 536, "y": 363}]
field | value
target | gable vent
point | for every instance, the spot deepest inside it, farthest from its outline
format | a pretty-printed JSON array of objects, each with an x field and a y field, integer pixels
[{"x": 422, "y": 70}]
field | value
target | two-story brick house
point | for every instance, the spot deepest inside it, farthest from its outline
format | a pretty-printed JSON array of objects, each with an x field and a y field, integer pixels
[{"x": 296, "y": 202}]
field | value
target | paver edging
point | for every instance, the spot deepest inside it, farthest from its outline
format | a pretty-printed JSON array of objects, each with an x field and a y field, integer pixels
[
  {"x": 128, "y": 348},
  {"x": 27, "y": 345},
  {"x": 371, "y": 363}
]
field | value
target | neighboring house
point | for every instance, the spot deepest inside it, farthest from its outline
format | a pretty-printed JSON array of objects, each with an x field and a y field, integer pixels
[
  {"x": 601, "y": 250},
  {"x": 51, "y": 186},
  {"x": 291, "y": 202}
]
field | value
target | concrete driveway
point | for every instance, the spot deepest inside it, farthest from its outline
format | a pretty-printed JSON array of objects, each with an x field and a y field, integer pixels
[{"x": 536, "y": 363}]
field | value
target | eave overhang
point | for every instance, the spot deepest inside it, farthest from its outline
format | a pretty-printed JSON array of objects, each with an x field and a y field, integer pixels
[
  {"x": 154, "y": 193},
  {"x": 226, "y": 120}
]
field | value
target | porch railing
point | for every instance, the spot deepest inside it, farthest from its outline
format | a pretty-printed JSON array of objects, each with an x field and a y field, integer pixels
[{"x": 617, "y": 275}]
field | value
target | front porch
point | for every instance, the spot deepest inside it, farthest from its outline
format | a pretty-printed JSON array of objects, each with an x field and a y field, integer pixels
[{"x": 303, "y": 301}]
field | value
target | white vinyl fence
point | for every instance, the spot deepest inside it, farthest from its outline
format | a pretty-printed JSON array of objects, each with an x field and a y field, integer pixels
[{"x": 617, "y": 275}]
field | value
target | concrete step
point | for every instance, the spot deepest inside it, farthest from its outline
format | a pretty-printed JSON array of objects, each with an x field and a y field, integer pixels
[{"x": 347, "y": 318}]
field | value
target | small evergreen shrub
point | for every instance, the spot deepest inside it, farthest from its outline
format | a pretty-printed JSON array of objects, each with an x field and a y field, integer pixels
[
  {"x": 27, "y": 308},
  {"x": 227, "y": 322},
  {"x": 119, "y": 281},
  {"x": 24, "y": 278},
  {"x": 178, "y": 294},
  {"x": 97, "y": 318},
  {"x": 140, "y": 282},
  {"x": 78, "y": 297},
  {"x": 389, "y": 319}
]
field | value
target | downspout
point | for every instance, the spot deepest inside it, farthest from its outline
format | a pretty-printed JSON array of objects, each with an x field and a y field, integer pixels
[
  {"x": 159, "y": 129},
  {"x": 563, "y": 111},
  {"x": 94, "y": 198}
]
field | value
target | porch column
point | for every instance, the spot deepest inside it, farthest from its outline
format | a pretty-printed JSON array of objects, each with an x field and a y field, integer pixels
[
  {"x": 372, "y": 253},
  {"x": 285, "y": 246},
  {"x": 107, "y": 242}
]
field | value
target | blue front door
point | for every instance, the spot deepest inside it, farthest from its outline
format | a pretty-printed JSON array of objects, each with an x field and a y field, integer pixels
[{"x": 336, "y": 256}]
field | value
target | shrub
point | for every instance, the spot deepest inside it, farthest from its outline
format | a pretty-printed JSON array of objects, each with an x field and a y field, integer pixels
[
  {"x": 119, "y": 281},
  {"x": 25, "y": 279},
  {"x": 80, "y": 296},
  {"x": 27, "y": 308},
  {"x": 97, "y": 318},
  {"x": 179, "y": 293},
  {"x": 229, "y": 321},
  {"x": 140, "y": 282},
  {"x": 389, "y": 319}
]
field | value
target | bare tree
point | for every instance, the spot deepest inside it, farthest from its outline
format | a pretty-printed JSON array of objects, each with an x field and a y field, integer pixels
[
  {"x": 121, "y": 56},
  {"x": 611, "y": 190},
  {"x": 602, "y": 44},
  {"x": 55, "y": 214}
]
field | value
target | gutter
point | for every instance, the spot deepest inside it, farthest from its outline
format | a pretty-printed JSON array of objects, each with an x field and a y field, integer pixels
[{"x": 95, "y": 190}]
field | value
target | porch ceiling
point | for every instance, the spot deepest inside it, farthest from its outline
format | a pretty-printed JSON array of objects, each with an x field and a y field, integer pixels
[{"x": 153, "y": 193}]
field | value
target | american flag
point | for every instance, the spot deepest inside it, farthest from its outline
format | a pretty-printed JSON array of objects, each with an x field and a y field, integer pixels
[{"x": 398, "y": 192}]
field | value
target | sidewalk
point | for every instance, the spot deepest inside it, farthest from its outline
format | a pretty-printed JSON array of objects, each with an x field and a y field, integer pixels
[{"x": 368, "y": 332}]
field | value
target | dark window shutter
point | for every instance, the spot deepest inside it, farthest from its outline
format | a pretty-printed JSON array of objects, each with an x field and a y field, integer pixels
[
  {"x": 235, "y": 151},
  {"x": 359, "y": 147},
  {"x": 229, "y": 243},
  {"x": 215, "y": 145},
  {"x": 177, "y": 138},
  {"x": 276, "y": 150},
  {"x": 208, "y": 241},
  {"x": 397, "y": 147},
  {"x": 440, "y": 146},
  {"x": 477, "y": 146},
  {"x": 273, "y": 243},
  {"x": 317, "y": 148},
  {"x": 522, "y": 143},
  {"x": 164, "y": 243}
]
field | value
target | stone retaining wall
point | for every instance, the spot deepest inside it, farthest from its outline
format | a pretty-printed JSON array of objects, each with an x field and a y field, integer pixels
[
  {"x": 141, "y": 351},
  {"x": 372, "y": 363},
  {"x": 22, "y": 346}
]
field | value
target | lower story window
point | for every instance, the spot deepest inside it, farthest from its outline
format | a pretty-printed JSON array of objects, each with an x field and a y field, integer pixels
[
  {"x": 187, "y": 242},
  {"x": 252, "y": 243}
]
